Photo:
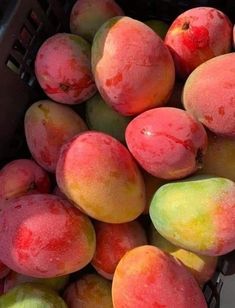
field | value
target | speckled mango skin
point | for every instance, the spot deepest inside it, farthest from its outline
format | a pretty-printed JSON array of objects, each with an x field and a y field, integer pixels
[
  {"x": 209, "y": 94},
  {"x": 147, "y": 276},
  {"x": 197, "y": 214},
  {"x": 196, "y": 36},
  {"x": 63, "y": 69},
  {"x": 90, "y": 291},
  {"x": 39, "y": 235},
  {"x": 132, "y": 75},
  {"x": 87, "y": 16},
  {"x": 112, "y": 242},
  {"x": 48, "y": 126},
  {"x": 99, "y": 174},
  {"x": 167, "y": 142},
  {"x": 21, "y": 177},
  {"x": 202, "y": 267},
  {"x": 30, "y": 295}
]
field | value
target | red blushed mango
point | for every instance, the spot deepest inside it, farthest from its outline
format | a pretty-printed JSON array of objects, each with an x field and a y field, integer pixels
[
  {"x": 44, "y": 236},
  {"x": 196, "y": 36},
  {"x": 99, "y": 174},
  {"x": 87, "y": 16},
  {"x": 48, "y": 126},
  {"x": 20, "y": 177},
  {"x": 112, "y": 242},
  {"x": 149, "y": 277},
  {"x": 133, "y": 69},
  {"x": 63, "y": 69},
  {"x": 209, "y": 94},
  {"x": 90, "y": 291},
  {"x": 167, "y": 142}
]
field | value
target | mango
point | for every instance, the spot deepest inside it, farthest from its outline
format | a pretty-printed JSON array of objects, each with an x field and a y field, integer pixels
[
  {"x": 101, "y": 117},
  {"x": 14, "y": 279},
  {"x": 149, "y": 277},
  {"x": 202, "y": 267},
  {"x": 63, "y": 69},
  {"x": 196, "y": 36},
  {"x": 197, "y": 214},
  {"x": 30, "y": 295},
  {"x": 112, "y": 242},
  {"x": 87, "y": 16},
  {"x": 167, "y": 142},
  {"x": 132, "y": 67},
  {"x": 209, "y": 94},
  {"x": 89, "y": 291},
  {"x": 100, "y": 176},
  {"x": 48, "y": 126},
  {"x": 158, "y": 26},
  {"x": 20, "y": 177},
  {"x": 39, "y": 235},
  {"x": 219, "y": 159}
]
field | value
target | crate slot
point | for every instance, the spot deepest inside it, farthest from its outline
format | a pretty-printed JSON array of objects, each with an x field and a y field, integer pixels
[
  {"x": 44, "y": 4},
  {"x": 19, "y": 47},
  {"x": 53, "y": 19},
  {"x": 25, "y": 36},
  {"x": 34, "y": 20},
  {"x": 13, "y": 64}
]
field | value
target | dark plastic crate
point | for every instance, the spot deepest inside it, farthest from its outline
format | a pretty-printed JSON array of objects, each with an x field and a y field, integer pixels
[{"x": 24, "y": 25}]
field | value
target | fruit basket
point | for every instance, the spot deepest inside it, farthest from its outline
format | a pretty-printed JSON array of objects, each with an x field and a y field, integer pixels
[{"x": 24, "y": 25}]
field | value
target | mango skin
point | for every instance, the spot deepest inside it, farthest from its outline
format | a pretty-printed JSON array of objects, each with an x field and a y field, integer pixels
[
  {"x": 197, "y": 214},
  {"x": 93, "y": 169},
  {"x": 158, "y": 26},
  {"x": 30, "y": 295},
  {"x": 112, "y": 242},
  {"x": 20, "y": 177},
  {"x": 219, "y": 159},
  {"x": 201, "y": 267},
  {"x": 131, "y": 84},
  {"x": 39, "y": 234},
  {"x": 155, "y": 134},
  {"x": 101, "y": 117},
  {"x": 90, "y": 291},
  {"x": 146, "y": 276},
  {"x": 209, "y": 94},
  {"x": 196, "y": 36},
  {"x": 14, "y": 279},
  {"x": 63, "y": 69},
  {"x": 87, "y": 16},
  {"x": 48, "y": 126}
]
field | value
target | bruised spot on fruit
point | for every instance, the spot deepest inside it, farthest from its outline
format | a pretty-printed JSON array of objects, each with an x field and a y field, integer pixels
[
  {"x": 64, "y": 87},
  {"x": 221, "y": 110},
  {"x": 199, "y": 158},
  {"x": 114, "y": 80},
  {"x": 186, "y": 25},
  {"x": 44, "y": 109},
  {"x": 209, "y": 119},
  {"x": 50, "y": 90}
]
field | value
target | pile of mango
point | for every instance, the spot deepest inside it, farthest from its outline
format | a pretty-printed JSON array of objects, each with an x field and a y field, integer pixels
[{"x": 132, "y": 204}]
